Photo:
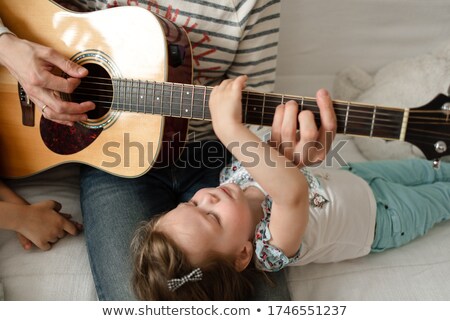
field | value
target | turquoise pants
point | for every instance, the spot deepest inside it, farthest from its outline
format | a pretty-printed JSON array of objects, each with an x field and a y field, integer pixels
[{"x": 411, "y": 198}]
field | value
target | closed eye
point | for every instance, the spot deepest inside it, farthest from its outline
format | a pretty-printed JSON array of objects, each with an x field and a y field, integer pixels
[{"x": 216, "y": 217}]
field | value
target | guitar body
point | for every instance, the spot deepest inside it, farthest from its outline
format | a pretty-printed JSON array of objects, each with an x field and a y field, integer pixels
[{"x": 122, "y": 42}]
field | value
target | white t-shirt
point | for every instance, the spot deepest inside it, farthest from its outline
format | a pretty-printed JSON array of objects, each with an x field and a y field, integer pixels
[
  {"x": 344, "y": 227},
  {"x": 341, "y": 218}
]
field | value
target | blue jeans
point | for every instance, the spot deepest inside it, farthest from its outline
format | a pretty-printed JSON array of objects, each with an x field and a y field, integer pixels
[
  {"x": 113, "y": 207},
  {"x": 411, "y": 198}
]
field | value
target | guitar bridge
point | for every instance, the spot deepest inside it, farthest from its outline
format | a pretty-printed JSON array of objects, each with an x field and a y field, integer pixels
[{"x": 27, "y": 107}]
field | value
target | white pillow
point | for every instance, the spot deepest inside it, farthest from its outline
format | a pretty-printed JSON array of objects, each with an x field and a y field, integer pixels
[{"x": 410, "y": 82}]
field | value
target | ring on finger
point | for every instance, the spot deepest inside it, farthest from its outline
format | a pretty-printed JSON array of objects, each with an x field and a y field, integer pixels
[{"x": 43, "y": 108}]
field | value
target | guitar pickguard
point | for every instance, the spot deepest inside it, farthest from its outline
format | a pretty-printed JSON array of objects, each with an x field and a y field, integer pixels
[{"x": 66, "y": 140}]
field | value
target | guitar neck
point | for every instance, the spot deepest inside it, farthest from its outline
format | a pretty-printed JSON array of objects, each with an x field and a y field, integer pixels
[{"x": 191, "y": 102}]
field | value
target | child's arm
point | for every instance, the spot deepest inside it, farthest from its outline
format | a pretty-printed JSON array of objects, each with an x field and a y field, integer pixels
[
  {"x": 277, "y": 175},
  {"x": 40, "y": 223}
]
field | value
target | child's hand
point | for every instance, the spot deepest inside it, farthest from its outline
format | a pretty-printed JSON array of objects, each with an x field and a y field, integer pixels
[
  {"x": 225, "y": 104},
  {"x": 43, "y": 225}
]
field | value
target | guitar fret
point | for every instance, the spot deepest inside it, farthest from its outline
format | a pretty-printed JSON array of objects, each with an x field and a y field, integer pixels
[
  {"x": 246, "y": 107},
  {"x": 206, "y": 110},
  {"x": 373, "y": 121},
  {"x": 186, "y": 101},
  {"x": 404, "y": 125},
  {"x": 153, "y": 98},
  {"x": 165, "y": 111},
  {"x": 181, "y": 99},
  {"x": 167, "y": 100},
  {"x": 192, "y": 100},
  {"x": 359, "y": 120},
  {"x": 204, "y": 100},
  {"x": 128, "y": 94},
  {"x": 253, "y": 115},
  {"x": 158, "y": 103},
  {"x": 134, "y": 99},
  {"x": 176, "y": 100},
  {"x": 171, "y": 97},
  {"x": 272, "y": 102},
  {"x": 197, "y": 102},
  {"x": 160, "y": 99},
  {"x": 263, "y": 107},
  {"x": 145, "y": 96},
  {"x": 346, "y": 118},
  {"x": 186, "y": 109},
  {"x": 140, "y": 97}
]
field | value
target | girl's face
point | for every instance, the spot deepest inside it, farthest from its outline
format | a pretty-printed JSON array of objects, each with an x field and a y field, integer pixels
[{"x": 215, "y": 220}]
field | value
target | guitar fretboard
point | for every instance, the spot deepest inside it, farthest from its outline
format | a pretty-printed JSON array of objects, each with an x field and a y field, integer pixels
[{"x": 191, "y": 102}]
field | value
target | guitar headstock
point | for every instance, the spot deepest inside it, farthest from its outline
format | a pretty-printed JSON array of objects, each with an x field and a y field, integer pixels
[{"x": 429, "y": 127}]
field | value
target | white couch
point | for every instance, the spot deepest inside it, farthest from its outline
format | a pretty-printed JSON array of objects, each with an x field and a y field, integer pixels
[{"x": 339, "y": 45}]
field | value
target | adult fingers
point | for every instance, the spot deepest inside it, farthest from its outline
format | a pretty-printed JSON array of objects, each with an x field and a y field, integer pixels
[
  {"x": 328, "y": 121},
  {"x": 58, "y": 83},
  {"x": 308, "y": 127},
  {"x": 307, "y": 147},
  {"x": 277, "y": 122},
  {"x": 64, "y": 112},
  {"x": 72, "y": 69},
  {"x": 289, "y": 125}
]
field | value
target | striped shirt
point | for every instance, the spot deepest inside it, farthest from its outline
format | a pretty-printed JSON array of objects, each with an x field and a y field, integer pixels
[{"x": 230, "y": 38}]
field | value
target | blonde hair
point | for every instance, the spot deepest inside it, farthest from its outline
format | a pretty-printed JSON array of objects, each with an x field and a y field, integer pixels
[{"x": 157, "y": 259}]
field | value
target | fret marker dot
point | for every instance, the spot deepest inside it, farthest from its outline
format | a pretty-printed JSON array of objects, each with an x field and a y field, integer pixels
[
  {"x": 142, "y": 97},
  {"x": 157, "y": 98},
  {"x": 186, "y": 110}
]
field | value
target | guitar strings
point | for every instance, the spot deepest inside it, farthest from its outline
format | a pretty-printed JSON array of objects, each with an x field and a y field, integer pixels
[
  {"x": 304, "y": 101},
  {"x": 255, "y": 108},
  {"x": 266, "y": 95},
  {"x": 266, "y": 99},
  {"x": 380, "y": 127},
  {"x": 107, "y": 82},
  {"x": 340, "y": 113},
  {"x": 338, "y": 106}
]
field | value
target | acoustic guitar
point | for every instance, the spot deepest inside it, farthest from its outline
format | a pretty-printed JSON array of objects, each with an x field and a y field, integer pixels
[{"x": 141, "y": 85}]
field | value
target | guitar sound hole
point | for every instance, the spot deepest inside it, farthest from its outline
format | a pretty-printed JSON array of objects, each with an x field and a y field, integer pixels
[{"x": 96, "y": 87}]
